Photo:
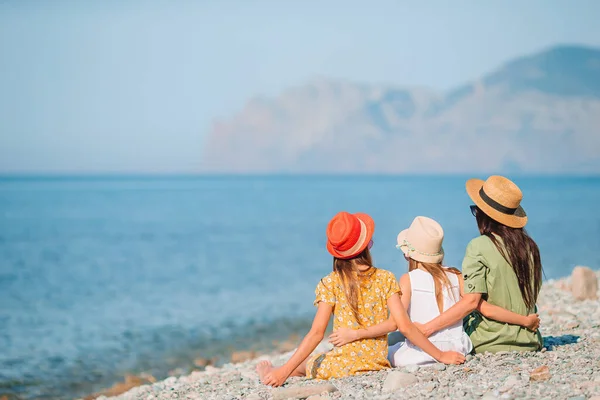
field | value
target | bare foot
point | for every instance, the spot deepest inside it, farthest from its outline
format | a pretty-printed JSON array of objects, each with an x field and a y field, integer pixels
[{"x": 263, "y": 368}]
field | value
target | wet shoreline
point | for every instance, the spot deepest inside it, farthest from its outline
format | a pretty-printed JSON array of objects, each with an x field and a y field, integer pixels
[{"x": 281, "y": 335}]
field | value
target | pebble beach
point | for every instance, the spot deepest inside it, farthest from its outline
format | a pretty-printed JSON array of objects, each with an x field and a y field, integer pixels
[{"x": 567, "y": 368}]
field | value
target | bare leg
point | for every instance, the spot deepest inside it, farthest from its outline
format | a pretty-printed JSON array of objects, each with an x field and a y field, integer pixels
[
  {"x": 301, "y": 370},
  {"x": 264, "y": 367}
]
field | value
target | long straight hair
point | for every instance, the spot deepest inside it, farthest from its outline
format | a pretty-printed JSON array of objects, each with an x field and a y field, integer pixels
[
  {"x": 520, "y": 251},
  {"x": 440, "y": 279},
  {"x": 347, "y": 270}
]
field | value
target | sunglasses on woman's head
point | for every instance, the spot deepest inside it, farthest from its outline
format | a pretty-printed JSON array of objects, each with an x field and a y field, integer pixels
[{"x": 473, "y": 210}]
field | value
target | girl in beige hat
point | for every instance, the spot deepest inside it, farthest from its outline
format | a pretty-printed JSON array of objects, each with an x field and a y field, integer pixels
[
  {"x": 501, "y": 266},
  {"x": 428, "y": 290}
]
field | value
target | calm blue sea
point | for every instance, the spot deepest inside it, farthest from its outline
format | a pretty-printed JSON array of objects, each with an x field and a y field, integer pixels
[{"x": 104, "y": 276}]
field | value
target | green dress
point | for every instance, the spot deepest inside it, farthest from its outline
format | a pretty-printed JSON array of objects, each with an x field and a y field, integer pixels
[{"x": 486, "y": 271}]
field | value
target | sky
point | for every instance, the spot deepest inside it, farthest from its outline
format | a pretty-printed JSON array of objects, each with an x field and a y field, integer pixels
[{"x": 133, "y": 86}]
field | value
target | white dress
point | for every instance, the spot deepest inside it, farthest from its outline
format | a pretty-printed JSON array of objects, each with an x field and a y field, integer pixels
[{"x": 423, "y": 308}]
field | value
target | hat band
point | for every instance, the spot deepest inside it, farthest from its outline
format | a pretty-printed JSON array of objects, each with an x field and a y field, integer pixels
[
  {"x": 359, "y": 243},
  {"x": 411, "y": 248},
  {"x": 494, "y": 204}
]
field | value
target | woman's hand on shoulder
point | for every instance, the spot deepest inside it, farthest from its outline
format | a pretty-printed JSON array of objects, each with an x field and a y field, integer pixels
[
  {"x": 452, "y": 357},
  {"x": 344, "y": 336}
]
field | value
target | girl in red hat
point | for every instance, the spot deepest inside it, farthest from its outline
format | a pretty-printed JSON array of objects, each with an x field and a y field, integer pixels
[{"x": 359, "y": 296}]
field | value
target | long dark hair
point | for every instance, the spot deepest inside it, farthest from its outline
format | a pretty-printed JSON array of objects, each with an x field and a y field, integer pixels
[
  {"x": 520, "y": 251},
  {"x": 348, "y": 273}
]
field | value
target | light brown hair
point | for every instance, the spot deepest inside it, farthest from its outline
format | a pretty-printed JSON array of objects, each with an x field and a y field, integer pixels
[
  {"x": 347, "y": 270},
  {"x": 440, "y": 279}
]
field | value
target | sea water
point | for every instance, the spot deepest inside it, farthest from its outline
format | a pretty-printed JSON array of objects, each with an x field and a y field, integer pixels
[{"x": 104, "y": 276}]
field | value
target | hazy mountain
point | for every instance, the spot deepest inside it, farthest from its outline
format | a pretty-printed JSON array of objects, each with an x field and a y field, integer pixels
[{"x": 539, "y": 113}]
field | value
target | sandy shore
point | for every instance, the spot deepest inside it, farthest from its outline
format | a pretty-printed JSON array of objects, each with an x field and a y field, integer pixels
[{"x": 568, "y": 368}]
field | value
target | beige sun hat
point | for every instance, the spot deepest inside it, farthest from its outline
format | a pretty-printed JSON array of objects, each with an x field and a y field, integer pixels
[
  {"x": 500, "y": 199},
  {"x": 422, "y": 241}
]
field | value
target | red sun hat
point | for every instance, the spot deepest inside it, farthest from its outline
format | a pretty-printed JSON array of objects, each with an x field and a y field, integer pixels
[{"x": 349, "y": 234}]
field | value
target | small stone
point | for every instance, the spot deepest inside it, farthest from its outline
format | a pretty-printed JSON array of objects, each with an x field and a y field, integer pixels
[
  {"x": 396, "y": 380},
  {"x": 241, "y": 356},
  {"x": 540, "y": 374},
  {"x": 302, "y": 392},
  {"x": 505, "y": 388},
  {"x": 366, "y": 383},
  {"x": 512, "y": 382},
  {"x": 430, "y": 387},
  {"x": 584, "y": 284},
  {"x": 233, "y": 377},
  {"x": 571, "y": 325},
  {"x": 202, "y": 362},
  {"x": 544, "y": 350},
  {"x": 469, "y": 357},
  {"x": 319, "y": 397},
  {"x": 251, "y": 375},
  {"x": 588, "y": 384},
  {"x": 211, "y": 370},
  {"x": 170, "y": 381},
  {"x": 286, "y": 346},
  {"x": 412, "y": 368},
  {"x": 489, "y": 396},
  {"x": 439, "y": 367}
]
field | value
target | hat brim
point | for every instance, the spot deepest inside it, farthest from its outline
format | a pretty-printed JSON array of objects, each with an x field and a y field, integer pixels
[
  {"x": 516, "y": 220},
  {"x": 418, "y": 256},
  {"x": 369, "y": 224}
]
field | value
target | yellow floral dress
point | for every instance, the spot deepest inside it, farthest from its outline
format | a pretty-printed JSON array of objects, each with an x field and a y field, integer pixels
[{"x": 376, "y": 287}]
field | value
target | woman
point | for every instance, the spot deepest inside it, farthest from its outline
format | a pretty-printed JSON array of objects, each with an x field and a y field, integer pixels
[{"x": 502, "y": 266}]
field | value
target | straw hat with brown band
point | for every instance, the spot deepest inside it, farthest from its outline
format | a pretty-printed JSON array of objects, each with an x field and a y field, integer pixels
[{"x": 500, "y": 199}]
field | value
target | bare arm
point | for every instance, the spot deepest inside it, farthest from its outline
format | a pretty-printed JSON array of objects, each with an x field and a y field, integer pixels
[
  {"x": 497, "y": 313},
  {"x": 500, "y": 314},
  {"x": 343, "y": 336},
  {"x": 308, "y": 345},
  {"x": 467, "y": 304},
  {"x": 412, "y": 333},
  {"x": 405, "y": 290},
  {"x": 382, "y": 328}
]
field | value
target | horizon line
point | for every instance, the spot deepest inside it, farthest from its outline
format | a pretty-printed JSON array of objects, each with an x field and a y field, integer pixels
[{"x": 197, "y": 175}]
